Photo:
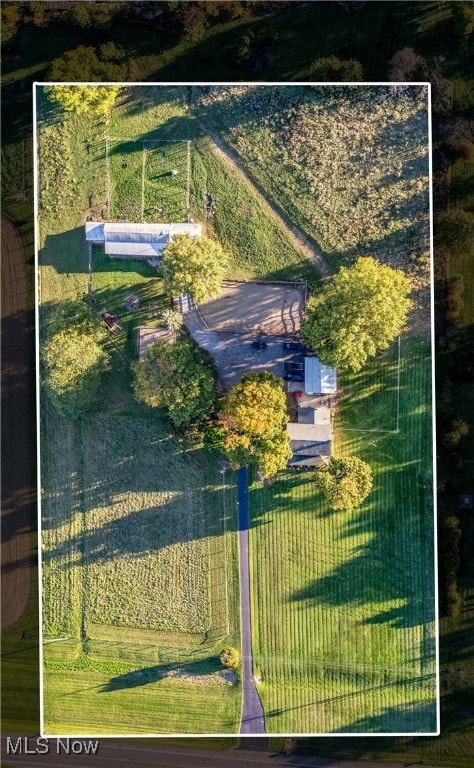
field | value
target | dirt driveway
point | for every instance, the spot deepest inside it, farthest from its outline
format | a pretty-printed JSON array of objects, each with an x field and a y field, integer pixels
[
  {"x": 233, "y": 353},
  {"x": 257, "y": 307}
]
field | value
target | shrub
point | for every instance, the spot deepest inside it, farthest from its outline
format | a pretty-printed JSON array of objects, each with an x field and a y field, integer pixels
[
  {"x": 332, "y": 69},
  {"x": 230, "y": 657},
  {"x": 459, "y": 429},
  {"x": 453, "y": 600}
]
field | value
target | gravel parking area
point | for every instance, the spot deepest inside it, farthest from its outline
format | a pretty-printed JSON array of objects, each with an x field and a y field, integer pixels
[
  {"x": 256, "y": 307},
  {"x": 233, "y": 353}
]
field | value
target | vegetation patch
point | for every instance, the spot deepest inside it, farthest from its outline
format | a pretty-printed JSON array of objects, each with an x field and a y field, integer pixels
[{"x": 348, "y": 164}]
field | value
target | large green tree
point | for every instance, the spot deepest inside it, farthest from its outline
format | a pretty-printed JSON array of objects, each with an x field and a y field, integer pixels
[
  {"x": 358, "y": 314},
  {"x": 176, "y": 377},
  {"x": 73, "y": 358},
  {"x": 251, "y": 423},
  {"x": 197, "y": 265},
  {"x": 345, "y": 483},
  {"x": 85, "y": 63}
]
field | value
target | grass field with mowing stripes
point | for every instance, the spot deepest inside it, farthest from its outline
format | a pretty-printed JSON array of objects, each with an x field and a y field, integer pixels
[{"x": 344, "y": 603}]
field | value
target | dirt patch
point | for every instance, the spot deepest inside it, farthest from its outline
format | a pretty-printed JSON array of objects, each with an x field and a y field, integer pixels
[{"x": 256, "y": 307}]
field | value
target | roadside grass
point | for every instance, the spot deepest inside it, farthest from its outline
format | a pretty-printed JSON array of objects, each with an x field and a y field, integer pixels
[
  {"x": 349, "y": 167},
  {"x": 136, "y": 701},
  {"x": 344, "y": 604}
]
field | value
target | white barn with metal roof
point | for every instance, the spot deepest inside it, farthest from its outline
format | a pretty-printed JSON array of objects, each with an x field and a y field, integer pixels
[
  {"x": 319, "y": 379},
  {"x": 127, "y": 240}
]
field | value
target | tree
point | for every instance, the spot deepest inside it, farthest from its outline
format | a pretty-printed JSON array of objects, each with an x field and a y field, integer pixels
[
  {"x": 463, "y": 21},
  {"x": 84, "y": 98},
  {"x": 87, "y": 63},
  {"x": 176, "y": 377},
  {"x": 358, "y": 314},
  {"x": 74, "y": 359},
  {"x": 345, "y": 483},
  {"x": 230, "y": 657},
  {"x": 10, "y": 19},
  {"x": 196, "y": 265},
  {"x": 455, "y": 228},
  {"x": 251, "y": 421},
  {"x": 405, "y": 65},
  {"x": 332, "y": 69}
]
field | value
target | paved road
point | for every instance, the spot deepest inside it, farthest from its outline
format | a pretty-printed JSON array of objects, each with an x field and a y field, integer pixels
[
  {"x": 252, "y": 711},
  {"x": 115, "y": 753}
]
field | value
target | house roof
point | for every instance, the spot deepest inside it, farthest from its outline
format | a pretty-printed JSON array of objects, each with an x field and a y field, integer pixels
[
  {"x": 307, "y": 461},
  {"x": 311, "y": 432},
  {"x": 319, "y": 378},
  {"x": 311, "y": 447}
]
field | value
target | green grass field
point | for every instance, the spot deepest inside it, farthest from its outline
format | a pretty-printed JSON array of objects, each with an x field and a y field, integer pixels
[
  {"x": 303, "y": 146},
  {"x": 344, "y": 604},
  {"x": 142, "y": 185},
  {"x": 139, "y": 571}
]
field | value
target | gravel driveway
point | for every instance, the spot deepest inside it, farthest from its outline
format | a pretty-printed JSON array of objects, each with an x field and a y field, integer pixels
[{"x": 233, "y": 353}]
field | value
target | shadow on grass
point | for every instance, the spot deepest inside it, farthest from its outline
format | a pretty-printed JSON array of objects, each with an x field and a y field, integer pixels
[
  {"x": 418, "y": 716},
  {"x": 140, "y": 677}
]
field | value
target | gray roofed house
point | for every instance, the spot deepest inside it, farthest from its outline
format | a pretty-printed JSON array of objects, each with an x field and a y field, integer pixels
[
  {"x": 310, "y": 437},
  {"x": 127, "y": 240}
]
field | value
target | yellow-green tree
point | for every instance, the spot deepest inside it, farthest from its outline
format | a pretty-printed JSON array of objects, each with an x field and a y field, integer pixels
[
  {"x": 194, "y": 265},
  {"x": 251, "y": 424},
  {"x": 358, "y": 314},
  {"x": 84, "y": 98},
  {"x": 73, "y": 357}
]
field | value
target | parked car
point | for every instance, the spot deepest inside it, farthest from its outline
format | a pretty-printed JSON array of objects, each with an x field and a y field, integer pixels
[
  {"x": 294, "y": 346},
  {"x": 259, "y": 344},
  {"x": 294, "y": 367},
  {"x": 293, "y": 377}
]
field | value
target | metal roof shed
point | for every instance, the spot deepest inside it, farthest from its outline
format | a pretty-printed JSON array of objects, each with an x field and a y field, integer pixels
[{"x": 319, "y": 379}]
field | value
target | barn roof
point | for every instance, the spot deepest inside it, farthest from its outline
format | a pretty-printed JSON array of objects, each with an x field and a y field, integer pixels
[
  {"x": 139, "y": 240},
  {"x": 319, "y": 378}
]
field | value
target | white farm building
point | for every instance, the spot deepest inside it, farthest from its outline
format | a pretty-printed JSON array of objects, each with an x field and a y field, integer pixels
[{"x": 126, "y": 240}]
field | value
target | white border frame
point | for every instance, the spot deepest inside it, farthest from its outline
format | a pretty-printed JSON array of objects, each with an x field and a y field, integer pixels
[{"x": 353, "y": 734}]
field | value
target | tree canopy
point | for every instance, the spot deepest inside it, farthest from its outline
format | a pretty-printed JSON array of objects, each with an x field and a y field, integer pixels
[
  {"x": 84, "y": 98},
  {"x": 74, "y": 359},
  {"x": 358, "y": 314},
  {"x": 86, "y": 63},
  {"x": 176, "y": 377},
  {"x": 251, "y": 421},
  {"x": 196, "y": 265},
  {"x": 346, "y": 483}
]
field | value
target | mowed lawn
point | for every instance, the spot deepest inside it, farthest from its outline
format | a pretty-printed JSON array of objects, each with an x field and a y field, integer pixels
[
  {"x": 136, "y": 703},
  {"x": 343, "y": 604}
]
